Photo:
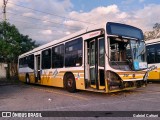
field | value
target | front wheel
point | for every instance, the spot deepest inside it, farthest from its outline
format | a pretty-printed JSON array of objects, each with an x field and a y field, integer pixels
[{"x": 70, "y": 83}]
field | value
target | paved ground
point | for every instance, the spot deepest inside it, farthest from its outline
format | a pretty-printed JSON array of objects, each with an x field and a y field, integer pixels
[{"x": 23, "y": 97}]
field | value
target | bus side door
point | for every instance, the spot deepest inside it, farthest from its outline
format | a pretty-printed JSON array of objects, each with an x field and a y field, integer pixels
[{"x": 37, "y": 69}]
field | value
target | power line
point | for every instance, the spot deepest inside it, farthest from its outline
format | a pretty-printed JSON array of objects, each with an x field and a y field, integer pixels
[
  {"x": 51, "y": 14},
  {"x": 35, "y": 23},
  {"x": 31, "y": 23},
  {"x": 35, "y": 27},
  {"x": 44, "y": 20},
  {"x": 38, "y": 28},
  {"x": 40, "y": 19}
]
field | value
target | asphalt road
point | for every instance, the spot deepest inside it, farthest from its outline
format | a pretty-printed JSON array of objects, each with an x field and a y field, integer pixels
[{"x": 23, "y": 97}]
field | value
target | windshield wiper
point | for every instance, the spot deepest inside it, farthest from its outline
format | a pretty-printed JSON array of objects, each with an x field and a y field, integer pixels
[{"x": 140, "y": 53}]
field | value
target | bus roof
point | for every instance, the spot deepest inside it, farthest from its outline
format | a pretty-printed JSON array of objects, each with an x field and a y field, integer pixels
[{"x": 153, "y": 41}]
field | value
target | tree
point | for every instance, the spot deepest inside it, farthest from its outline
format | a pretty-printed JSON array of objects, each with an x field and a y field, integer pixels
[
  {"x": 155, "y": 33},
  {"x": 12, "y": 44}
]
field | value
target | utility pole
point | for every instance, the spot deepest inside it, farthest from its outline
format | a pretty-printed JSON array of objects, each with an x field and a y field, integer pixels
[
  {"x": 4, "y": 9},
  {"x": 5, "y": 39}
]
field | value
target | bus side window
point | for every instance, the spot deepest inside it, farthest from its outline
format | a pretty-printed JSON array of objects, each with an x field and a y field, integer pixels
[
  {"x": 73, "y": 53},
  {"x": 147, "y": 48},
  {"x": 20, "y": 62},
  {"x": 46, "y": 59},
  {"x": 158, "y": 53},
  {"x": 31, "y": 61},
  {"x": 58, "y": 56},
  {"x": 158, "y": 57},
  {"x": 151, "y": 54}
]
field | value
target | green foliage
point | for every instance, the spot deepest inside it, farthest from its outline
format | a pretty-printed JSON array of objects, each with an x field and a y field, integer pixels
[{"x": 12, "y": 43}]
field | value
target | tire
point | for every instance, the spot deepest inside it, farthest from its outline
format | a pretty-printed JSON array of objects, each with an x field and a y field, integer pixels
[
  {"x": 27, "y": 79},
  {"x": 70, "y": 83}
]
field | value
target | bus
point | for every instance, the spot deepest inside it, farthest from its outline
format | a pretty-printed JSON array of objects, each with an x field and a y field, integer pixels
[
  {"x": 153, "y": 58},
  {"x": 103, "y": 58}
]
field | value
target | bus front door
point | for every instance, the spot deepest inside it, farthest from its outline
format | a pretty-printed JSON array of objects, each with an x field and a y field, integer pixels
[
  {"x": 37, "y": 69},
  {"x": 94, "y": 63}
]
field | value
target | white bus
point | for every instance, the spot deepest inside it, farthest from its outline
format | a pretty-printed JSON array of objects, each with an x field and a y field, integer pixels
[
  {"x": 103, "y": 58},
  {"x": 153, "y": 58}
]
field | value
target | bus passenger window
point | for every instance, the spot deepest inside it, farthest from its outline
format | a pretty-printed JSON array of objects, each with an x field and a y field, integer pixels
[
  {"x": 46, "y": 59},
  {"x": 31, "y": 61},
  {"x": 73, "y": 53},
  {"x": 58, "y": 56},
  {"x": 151, "y": 55},
  {"x": 20, "y": 62},
  {"x": 158, "y": 56}
]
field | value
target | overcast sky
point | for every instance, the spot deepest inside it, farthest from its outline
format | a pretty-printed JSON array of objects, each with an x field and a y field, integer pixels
[{"x": 48, "y": 20}]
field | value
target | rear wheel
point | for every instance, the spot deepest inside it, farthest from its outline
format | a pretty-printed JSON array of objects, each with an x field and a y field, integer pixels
[{"x": 70, "y": 83}]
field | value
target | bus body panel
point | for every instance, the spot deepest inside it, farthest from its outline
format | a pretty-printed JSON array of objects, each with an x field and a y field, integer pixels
[
  {"x": 32, "y": 77},
  {"x": 22, "y": 77},
  {"x": 154, "y": 74},
  {"x": 48, "y": 78},
  {"x": 131, "y": 76},
  {"x": 24, "y": 71}
]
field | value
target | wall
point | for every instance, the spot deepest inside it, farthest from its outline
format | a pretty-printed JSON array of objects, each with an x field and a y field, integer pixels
[{"x": 2, "y": 70}]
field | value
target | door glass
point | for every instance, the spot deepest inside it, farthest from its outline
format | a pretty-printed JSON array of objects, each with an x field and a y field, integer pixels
[
  {"x": 92, "y": 76},
  {"x": 92, "y": 62},
  {"x": 101, "y": 52},
  {"x": 101, "y": 61},
  {"x": 38, "y": 62},
  {"x": 37, "y": 68},
  {"x": 92, "y": 53}
]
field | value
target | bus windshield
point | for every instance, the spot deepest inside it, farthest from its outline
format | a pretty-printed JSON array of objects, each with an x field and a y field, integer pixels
[
  {"x": 138, "y": 53},
  {"x": 126, "y": 54}
]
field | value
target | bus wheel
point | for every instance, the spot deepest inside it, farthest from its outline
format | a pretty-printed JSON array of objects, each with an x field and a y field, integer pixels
[
  {"x": 27, "y": 79},
  {"x": 70, "y": 83}
]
